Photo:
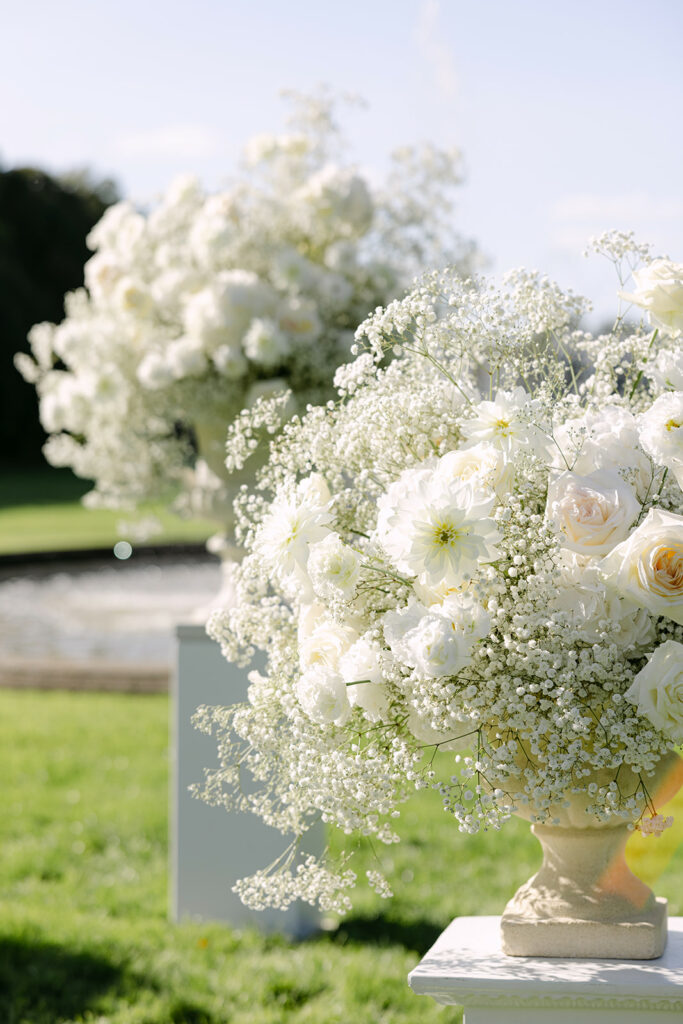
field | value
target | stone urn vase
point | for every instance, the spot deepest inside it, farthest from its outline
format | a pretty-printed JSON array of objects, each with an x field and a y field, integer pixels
[
  {"x": 211, "y": 491},
  {"x": 584, "y": 901}
]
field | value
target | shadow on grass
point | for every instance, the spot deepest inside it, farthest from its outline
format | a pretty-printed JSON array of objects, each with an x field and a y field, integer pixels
[
  {"x": 417, "y": 935},
  {"x": 41, "y": 982}
]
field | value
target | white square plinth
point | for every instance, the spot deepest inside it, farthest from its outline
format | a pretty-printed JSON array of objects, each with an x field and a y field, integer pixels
[
  {"x": 466, "y": 967},
  {"x": 209, "y": 847}
]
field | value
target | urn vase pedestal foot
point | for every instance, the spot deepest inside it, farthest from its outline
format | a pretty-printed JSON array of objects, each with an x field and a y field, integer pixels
[{"x": 584, "y": 901}]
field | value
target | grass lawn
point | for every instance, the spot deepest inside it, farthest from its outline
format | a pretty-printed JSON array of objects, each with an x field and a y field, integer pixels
[
  {"x": 83, "y": 929},
  {"x": 40, "y": 510}
]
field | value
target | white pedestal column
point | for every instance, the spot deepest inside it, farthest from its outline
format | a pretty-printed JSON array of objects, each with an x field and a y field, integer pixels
[
  {"x": 212, "y": 848},
  {"x": 466, "y": 967}
]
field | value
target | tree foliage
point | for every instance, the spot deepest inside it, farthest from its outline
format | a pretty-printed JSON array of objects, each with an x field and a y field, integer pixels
[{"x": 43, "y": 225}]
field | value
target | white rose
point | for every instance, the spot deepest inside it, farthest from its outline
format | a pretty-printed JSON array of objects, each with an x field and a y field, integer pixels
[
  {"x": 593, "y": 513},
  {"x": 657, "y": 690},
  {"x": 333, "y": 567},
  {"x": 362, "y": 662},
  {"x": 325, "y": 645},
  {"x": 647, "y": 568},
  {"x": 661, "y": 431},
  {"x": 659, "y": 290},
  {"x": 322, "y": 694},
  {"x": 483, "y": 466}
]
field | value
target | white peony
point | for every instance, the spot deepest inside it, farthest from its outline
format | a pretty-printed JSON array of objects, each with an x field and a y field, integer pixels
[
  {"x": 322, "y": 694},
  {"x": 592, "y": 513},
  {"x": 659, "y": 290},
  {"x": 657, "y": 690},
  {"x": 647, "y": 568}
]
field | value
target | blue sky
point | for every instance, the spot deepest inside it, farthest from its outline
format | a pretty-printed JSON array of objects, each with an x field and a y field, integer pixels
[{"x": 569, "y": 114}]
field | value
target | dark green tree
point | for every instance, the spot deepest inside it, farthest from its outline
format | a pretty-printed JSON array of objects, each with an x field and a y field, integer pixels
[{"x": 44, "y": 221}]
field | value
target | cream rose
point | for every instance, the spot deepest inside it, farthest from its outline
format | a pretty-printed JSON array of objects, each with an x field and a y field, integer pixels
[
  {"x": 593, "y": 513},
  {"x": 325, "y": 645},
  {"x": 648, "y": 567},
  {"x": 657, "y": 690},
  {"x": 659, "y": 290}
]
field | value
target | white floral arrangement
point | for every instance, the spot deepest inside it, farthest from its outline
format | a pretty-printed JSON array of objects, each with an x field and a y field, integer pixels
[
  {"x": 479, "y": 549},
  {"x": 214, "y": 303}
]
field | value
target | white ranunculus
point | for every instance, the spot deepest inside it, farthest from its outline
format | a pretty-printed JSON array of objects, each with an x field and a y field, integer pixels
[
  {"x": 659, "y": 290},
  {"x": 333, "y": 567},
  {"x": 647, "y": 568},
  {"x": 220, "y": 313},
  {"x": 322, "y": 694},
  {"x": 661, "y": 430},
  {"x": 593, "y": 513},
  {"x": 362, "y": 662},
  {"x": 325, "y": 645},
  {"x": 657, "y": 690}
]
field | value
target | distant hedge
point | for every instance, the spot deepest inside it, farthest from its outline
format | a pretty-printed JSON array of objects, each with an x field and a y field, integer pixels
[{"x": 43, "y": 225}]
